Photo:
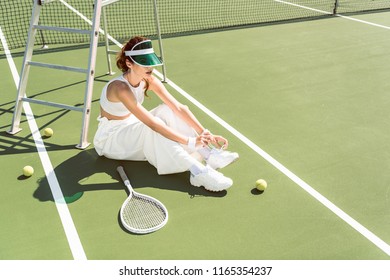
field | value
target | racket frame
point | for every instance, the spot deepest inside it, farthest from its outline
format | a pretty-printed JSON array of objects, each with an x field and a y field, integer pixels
[{"x": 133, "y": 194}]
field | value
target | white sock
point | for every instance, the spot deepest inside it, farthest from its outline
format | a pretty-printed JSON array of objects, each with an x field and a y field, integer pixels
[
  {"x": 204, "y": 152},
  {"x": 197, "y": 168}
]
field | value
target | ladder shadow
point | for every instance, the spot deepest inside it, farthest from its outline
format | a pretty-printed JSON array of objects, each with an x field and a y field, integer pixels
[{"x": 87, "y": 172}]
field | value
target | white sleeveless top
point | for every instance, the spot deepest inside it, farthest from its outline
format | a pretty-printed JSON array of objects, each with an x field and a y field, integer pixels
[{"x": 117, "y": 108}]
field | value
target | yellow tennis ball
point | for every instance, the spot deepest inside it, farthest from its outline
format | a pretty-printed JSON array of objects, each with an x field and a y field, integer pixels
[
  {"x": 48, "y": 132},
  {"x": 261, "y": 184},
  {"x": 28, "y": 171}
]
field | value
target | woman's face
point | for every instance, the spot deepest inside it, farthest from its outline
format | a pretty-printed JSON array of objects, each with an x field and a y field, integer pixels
[{"x": 141, "y": 71}]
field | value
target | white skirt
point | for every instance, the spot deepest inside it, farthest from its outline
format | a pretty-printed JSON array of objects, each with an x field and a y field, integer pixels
[{"x": 130, "y": 139}]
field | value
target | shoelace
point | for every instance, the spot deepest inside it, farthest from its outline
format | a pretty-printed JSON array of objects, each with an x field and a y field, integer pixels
[{"x": 212, "y": 147}]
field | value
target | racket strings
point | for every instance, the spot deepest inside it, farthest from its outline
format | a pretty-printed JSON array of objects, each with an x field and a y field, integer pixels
[{"x": 141, "y": 213}]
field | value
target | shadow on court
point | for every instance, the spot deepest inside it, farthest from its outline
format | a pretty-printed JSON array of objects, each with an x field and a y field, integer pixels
[
  {"x": 16, "y": 144},
  {"x": 88, "y": 172}
]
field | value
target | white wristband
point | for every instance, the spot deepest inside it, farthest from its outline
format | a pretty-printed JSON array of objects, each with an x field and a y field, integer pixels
[{"x": 191, "y": 142}]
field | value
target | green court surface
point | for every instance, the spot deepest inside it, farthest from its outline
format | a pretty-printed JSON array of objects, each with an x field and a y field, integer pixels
[{"x": 305, "y": 104}]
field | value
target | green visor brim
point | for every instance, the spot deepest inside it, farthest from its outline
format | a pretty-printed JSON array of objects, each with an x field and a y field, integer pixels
[{"x": 150, "y": 59}]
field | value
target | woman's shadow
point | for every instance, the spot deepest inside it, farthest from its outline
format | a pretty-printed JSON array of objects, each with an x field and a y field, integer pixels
[{"x": 87, "y": 171}]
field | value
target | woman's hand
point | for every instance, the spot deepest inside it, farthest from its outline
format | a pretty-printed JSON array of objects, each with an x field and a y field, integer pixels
[
  {"x": 207, "y": 139},
  {"x": 220, "y": 142},
  {"x": 204, "y": 139}
]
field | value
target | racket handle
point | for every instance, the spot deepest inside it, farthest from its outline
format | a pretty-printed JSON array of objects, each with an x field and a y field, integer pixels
[{"x": 123, "y": 175}]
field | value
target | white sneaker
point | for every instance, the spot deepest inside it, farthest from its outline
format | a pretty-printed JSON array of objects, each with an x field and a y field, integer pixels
[
  {"x": 220, "y": 158},
  {"x": 211, "y": 180}
]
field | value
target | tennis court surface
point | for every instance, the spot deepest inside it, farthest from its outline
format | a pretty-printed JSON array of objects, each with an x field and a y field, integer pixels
[{"x": 301, "y": 93}]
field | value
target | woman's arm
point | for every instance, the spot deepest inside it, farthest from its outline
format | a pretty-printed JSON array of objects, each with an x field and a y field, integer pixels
[
  {"x": 179, "y": 109},
  {"x": 123, "y": 93},
  {"x": 185, "y": 114}
]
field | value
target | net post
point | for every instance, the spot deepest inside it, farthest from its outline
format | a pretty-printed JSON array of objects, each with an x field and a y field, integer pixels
[
  {"x": 44, "y": 46},
  {"x": 110, "y": 72},
  {"x": 157, "y": 20},
  {"x": 336, "y": 5}
]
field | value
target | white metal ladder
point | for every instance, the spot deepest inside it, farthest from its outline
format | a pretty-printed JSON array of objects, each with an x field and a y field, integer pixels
[
  {"x": 89, "y": 71},
  {"x": 114, "y": 52}
]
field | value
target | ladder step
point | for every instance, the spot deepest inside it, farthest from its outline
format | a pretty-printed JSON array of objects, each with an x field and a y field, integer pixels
[
  {"x": 53, "y": 104},
  {"x": 62, "y": 29},
  {"x": 59, "y": 67}
]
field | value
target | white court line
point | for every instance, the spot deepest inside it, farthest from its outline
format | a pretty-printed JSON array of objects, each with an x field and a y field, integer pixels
[
  {"x": 336, "y": 210},
  {"x": 337, "y": 15},
  {"x": 327, "y": 203},
  {"x": 87, "y": 20},
  {"x": 62, "y": 208},
  {"x": 340, "y": 213}
]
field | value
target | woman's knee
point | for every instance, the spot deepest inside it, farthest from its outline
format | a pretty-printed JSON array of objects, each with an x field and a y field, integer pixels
[{"x": 164, "y": 112}]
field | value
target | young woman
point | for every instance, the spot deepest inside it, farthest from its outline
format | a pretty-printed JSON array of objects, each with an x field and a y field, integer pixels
[{"x": 169, "y": 137}]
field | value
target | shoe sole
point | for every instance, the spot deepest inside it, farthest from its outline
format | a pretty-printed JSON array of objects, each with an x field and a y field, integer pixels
[
  {"x": 198, "y": 186},
  {"x": 216, "y": 190}
]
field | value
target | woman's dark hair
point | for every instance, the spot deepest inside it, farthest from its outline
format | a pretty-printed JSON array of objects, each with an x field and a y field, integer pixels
[{"x": 121, "y": 56}]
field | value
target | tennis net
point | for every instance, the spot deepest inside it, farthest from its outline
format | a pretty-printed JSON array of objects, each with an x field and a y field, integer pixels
[{"x": 177, "y": 17}]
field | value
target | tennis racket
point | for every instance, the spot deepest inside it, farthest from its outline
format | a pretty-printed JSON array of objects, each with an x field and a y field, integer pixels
[{"x": 141, "y": 213}]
